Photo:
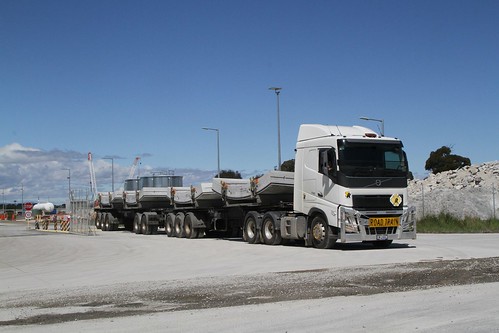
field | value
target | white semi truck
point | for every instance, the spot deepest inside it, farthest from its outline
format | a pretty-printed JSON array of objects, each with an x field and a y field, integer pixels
[{"x": 349, "y": 184}]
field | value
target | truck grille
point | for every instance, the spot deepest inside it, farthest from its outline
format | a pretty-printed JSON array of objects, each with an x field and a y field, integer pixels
[
  {"x": 374, "y": 202},
  {"x": 381, "y": 231}
]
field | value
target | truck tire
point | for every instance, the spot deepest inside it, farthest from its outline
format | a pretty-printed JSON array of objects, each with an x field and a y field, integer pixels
[
  {"x": 189, "y": 230},
  {"x": 144, "y": 224},
  {"x": 321, "y": 233},
  {"x": 170, "y": 225},
  {"x": 251, "y": 233},
  {"x": 105, "y": 224},
  {"x": 179, "y": 225},
  {"x": 109, "y": 222},
  {"x": 101, "y": 220},
  {"x": 137, "y": 228},
  {"x": 270, "y": 235},
  {"x": 97, "y": 220}
]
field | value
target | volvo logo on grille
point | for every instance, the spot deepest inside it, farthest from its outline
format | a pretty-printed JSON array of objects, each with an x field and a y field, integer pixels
[{"x": 378, "y": 182}]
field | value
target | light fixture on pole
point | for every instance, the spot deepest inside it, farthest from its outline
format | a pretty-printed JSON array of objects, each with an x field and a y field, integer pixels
[
  {"x": 112, "y": 170},
  {"x": 382, "y": 130},
  {"x": 218, "y": 145},
  {"x": 277, "y": 91}
]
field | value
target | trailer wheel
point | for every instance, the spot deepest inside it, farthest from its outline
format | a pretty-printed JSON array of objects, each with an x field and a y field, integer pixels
[
  {"x": 109, "y": 222},
  {"x": 146, "y": 230},
  {"x": 105, "y": 226},
  {"x": 179, "y": 225},
  {"x": 137, "y": 228},
  {"x": 189, "y": 230},
  {"x": 170, "y": 225},
  {"x": 250, "y": 231},
  {"x": 270, "y": 235},
  {"x": 97, "y": 220},
  {"x": 101, "y": 220},
  {"x": 321, "y": 234}
]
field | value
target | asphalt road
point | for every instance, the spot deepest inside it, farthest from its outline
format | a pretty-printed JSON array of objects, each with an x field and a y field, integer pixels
[{"x": 118, "y": 281}]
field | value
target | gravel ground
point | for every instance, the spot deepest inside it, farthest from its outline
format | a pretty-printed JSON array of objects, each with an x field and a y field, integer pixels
[
  {"x": 122, "y": 282},
  {"x": 44, "y": 307}
]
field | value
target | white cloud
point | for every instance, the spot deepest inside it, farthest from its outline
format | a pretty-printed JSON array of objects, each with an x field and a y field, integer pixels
[{"x": 33, "y": 174}]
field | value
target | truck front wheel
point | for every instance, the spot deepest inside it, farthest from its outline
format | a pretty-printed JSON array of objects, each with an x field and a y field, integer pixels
[{"x": 321, "y": 234}]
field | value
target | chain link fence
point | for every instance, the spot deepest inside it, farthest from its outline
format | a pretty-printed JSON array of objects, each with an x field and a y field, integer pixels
[
  {"x": 81, "y": 208},
  {"x": 474, "y": 202}
]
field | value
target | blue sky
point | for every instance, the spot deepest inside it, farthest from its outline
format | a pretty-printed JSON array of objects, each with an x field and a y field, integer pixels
[{"x": 141, "y": 78}]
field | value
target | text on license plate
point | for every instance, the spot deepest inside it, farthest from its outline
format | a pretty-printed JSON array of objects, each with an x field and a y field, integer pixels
[{"x": 376, "y": 222}]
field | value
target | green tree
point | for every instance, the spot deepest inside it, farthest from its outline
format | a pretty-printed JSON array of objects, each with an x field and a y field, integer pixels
[
  {"x": 442, "y": 160},
  {"x": 229, "y": 174},
  {"x": 288, "y": 165}
]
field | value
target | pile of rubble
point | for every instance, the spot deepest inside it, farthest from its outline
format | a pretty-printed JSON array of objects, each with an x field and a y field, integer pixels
[{"x": 471, "y": 191}]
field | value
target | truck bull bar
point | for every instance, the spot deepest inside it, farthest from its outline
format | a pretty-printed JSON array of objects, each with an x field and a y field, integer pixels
[{"x": 354, "y": 226}]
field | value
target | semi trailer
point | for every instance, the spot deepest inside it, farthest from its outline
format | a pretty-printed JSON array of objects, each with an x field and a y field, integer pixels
[{"x": 349, "y": 185}]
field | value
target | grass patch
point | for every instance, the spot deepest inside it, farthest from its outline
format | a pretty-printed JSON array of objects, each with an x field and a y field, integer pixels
[{"x": 446, "y": 223}]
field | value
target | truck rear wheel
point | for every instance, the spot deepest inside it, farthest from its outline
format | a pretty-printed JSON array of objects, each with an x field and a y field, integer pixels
[
  {"x": 250, "y": 230},
  {"x": 321, "y": 234},
  {"x": 270, "y": 235}
]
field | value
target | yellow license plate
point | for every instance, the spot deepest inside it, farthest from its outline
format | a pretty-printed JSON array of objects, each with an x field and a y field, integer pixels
[{"x": 380, "y": 222}]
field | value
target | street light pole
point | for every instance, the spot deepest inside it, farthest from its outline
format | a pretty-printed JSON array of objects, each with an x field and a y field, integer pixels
[
  {"x": 112, "y": 170},
  {"x": 218, "y": 146},
  {"x": 382, "y": 121},
  {"x": 277, "y": 92}
]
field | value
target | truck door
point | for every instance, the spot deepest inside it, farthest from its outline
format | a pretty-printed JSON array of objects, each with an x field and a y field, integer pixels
[
  {"x": 328, "y": 169},
  {"x": 310, "y": 177}
]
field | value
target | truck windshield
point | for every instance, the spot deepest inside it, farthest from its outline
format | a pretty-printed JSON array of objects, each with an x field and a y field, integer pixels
[{"x": 372, "y": 159}]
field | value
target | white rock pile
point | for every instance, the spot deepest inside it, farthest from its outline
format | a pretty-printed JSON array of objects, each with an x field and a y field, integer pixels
[{"x": 472, "y": 191}]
